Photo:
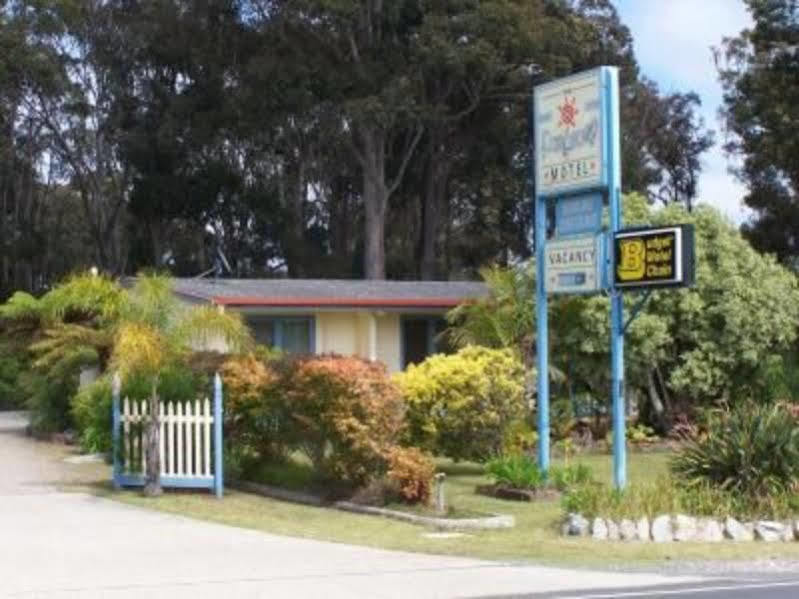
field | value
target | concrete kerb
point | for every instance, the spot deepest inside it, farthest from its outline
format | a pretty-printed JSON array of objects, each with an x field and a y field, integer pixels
[{"x": 492, "y": 522}]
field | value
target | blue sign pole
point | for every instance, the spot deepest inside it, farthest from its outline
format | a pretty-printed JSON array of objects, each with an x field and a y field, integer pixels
[
  {"x": 616, "y": 299},
  {"x": 542, "y": 337}
]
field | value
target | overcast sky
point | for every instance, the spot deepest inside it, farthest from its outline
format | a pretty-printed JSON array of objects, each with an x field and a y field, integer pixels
[{"x": 673, "y": 41}]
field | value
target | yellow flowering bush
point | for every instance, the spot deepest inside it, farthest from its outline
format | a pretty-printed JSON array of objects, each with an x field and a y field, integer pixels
[{"x": 462, "y": 405}]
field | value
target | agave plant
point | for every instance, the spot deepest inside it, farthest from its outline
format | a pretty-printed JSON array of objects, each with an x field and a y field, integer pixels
[{"x": 749, "y": 449}]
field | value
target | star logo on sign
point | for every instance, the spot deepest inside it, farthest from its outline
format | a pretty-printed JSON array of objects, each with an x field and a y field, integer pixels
[{"x": 568, "y": 112}]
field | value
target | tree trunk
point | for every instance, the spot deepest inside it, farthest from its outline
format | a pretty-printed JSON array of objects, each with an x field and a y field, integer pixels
[
  {"x": 152, "y": 487},
  {"x": 432, "y": 204},
  {"x": 375, "y": 201}
]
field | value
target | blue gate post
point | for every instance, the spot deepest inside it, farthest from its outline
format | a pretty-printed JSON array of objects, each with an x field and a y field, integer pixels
[
  {"x": 219, "y": 481},
  {"x": 616, "y": 298},
  {"x": 116, "y": 390}
]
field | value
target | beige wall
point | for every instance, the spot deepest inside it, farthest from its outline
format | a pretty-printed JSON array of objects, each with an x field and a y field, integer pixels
[{"x": 350, "y": 333}]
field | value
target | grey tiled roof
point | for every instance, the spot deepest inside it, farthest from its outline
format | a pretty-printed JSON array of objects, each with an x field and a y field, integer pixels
[{"x": 328, "y": 291}]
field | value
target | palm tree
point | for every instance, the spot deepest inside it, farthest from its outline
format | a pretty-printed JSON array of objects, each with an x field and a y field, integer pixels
[{"x": 155, "y": 331}]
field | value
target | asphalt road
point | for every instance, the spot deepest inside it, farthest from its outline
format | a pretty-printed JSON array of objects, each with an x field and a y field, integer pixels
[{"x": 734, "y": 588}]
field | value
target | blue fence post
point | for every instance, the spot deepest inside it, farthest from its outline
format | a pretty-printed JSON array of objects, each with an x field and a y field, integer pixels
[
  {"x": 219, "y": 480},
  {"x": 116, "y": 448}
]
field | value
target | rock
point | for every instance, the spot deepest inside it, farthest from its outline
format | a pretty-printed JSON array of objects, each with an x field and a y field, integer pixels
[
  {"x": 599, "y": 530},
  {"x": 709, "y": 531},
  {"x": 768, "y": 531},
  {"x": 575, "y": 526},
  {"x": 788, "y": 535},
  {"x": 627, "y": 530},
  {"x": 662, "y": 530},
  {"x": 642, "y": 530},
  {"x": 737, "y": 531},
  {"x": 684, "y": 528},
  {"x": 613, "y": 530}
]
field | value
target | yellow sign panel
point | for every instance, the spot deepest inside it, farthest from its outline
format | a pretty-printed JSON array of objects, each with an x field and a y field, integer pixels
[{"x": 654, "y": 257}]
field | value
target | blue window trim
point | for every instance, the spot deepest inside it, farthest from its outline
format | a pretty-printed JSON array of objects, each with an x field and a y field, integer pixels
[{"x": 431, "y": 320}]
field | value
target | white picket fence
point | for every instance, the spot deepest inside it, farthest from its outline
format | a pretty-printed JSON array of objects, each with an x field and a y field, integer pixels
[{"x": 184, "y": 439}]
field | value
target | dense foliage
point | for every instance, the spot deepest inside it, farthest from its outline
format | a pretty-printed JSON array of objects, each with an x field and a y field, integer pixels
[
  {"x": 462, "y": 405},
  {"x": 731, "y": 336}
]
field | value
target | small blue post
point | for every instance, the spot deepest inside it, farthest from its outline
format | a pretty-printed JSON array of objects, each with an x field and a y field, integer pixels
[
  {"x": 542, "y": 337},
  {"x": 219, "y": 481},
  {"x": 616, "y": 299},
  {"x": 116, "y": 431}
]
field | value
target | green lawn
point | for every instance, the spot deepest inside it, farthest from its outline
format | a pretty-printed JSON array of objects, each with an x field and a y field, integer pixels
[{"x": 535, "y": 537}]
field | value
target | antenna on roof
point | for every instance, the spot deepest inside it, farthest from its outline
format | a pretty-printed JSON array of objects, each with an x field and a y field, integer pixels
[{"x": 221, "y": 263}]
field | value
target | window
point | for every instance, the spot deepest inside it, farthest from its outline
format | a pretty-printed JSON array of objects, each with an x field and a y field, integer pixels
[
  {"x": 421, "y": 337},
  {"x": 295, "y": 335}
]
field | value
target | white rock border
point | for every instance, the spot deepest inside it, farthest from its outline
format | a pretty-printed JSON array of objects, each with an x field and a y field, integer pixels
[
  {"x": 680, "y": 528},
  {"x": 492, "y": 522}
]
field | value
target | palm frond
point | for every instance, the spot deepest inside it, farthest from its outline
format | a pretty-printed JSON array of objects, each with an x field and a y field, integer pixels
[
  {"x": 152, "y": 302},
  {"x": 22, "y": 307},
  {"x": 139, "y": 349},
  {"x": 206, "y": 326},
  {"x": 83, "y": 297}
]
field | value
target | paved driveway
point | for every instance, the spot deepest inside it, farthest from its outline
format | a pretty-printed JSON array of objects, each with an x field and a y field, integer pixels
[{"x": 59, "y": 545}]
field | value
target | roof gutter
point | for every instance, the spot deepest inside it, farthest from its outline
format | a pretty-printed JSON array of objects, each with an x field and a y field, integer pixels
[{"x": 326, "y": 302}]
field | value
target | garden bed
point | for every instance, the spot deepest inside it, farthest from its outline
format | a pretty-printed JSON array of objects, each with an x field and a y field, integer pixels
[
  {"x": 500, "y": 491},
  {"x": 446, "y": 522}
]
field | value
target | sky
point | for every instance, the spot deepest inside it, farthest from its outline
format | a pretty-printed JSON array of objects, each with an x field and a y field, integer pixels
[{"x": 673, "y": 44}]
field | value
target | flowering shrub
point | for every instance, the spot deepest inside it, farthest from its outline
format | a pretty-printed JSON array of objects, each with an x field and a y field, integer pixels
[
  {"x": 463, "y": 405},
  {"x": 411, "y": 471}
]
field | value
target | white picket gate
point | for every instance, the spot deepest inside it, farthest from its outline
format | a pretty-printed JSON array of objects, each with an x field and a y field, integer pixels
[{"x": 190, "y": 441}]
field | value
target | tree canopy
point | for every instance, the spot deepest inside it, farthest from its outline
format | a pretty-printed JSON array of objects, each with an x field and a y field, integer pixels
[
  {"x": 760, "y": 72},
  {"x": 313, "y": 138}
]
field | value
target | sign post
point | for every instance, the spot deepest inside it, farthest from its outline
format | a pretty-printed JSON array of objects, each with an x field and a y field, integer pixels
[{"x": 577, "y": 166}]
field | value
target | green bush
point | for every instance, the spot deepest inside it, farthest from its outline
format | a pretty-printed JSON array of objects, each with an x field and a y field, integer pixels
[
  {"x": 568, "y": 477},
  {"x": 750, "y": 450},
  {"x": 517, "y": 471},
  {"x": 522, "y": 472},
  {"x": 463, "y": 405},
  {"x": 90, "y": 407},
  {"x": 91, "y": 410},
  {"x": 11, "y": 368}
]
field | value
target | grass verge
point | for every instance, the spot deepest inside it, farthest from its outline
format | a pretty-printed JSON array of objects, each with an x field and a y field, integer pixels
[{"x": 535, "y": 538}]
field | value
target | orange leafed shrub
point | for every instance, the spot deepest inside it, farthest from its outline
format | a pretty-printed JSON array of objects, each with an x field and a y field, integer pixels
[
  {"x": 246, "y": 377},
  {"x": 253, "y": 417},
  {"x": 347, "y": 413},
  {"x": 412, "y": 472}
]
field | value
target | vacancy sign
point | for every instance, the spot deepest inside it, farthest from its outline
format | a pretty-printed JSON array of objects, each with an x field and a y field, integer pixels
[
  {"x": 573, "y": 265},
  {"x": 568, "y": 134}
]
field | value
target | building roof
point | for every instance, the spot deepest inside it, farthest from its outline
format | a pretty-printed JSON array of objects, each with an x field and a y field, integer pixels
[{"x": 330, "y": 292}]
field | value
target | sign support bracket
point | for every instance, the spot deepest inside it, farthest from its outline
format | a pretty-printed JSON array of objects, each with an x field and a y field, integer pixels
[{"x": 636, "y": 310}]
